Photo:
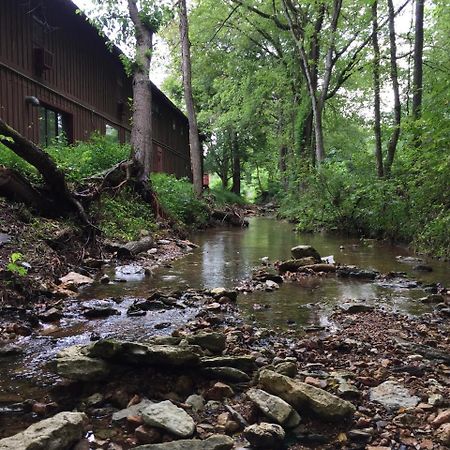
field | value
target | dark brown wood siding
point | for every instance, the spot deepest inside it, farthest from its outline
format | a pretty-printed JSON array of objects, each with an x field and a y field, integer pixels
[{"x": 86, "y": 81}]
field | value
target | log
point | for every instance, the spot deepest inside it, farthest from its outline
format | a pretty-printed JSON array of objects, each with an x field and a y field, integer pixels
[
  {"x": 53, "y": 177},
  {"x": 132, "y": 248},
  {"x": 17, "y": 188}
]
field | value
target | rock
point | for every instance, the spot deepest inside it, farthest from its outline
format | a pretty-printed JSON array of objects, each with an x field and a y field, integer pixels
[
  {"x": 50, "y": 315},
  {"x": 133, "y": 410},
  {"x": 75, "y": 364},
  {"x": 222, "y": 292},
  {"x": 442, "y": 434},
  {"x": 99, "y": 308},
  {"x": 145, "y": 354},
  {"x": 433, "y": 298},
  {"x": 219, "y": 391},
  {"x": 355, "y": 308},
  {"x": 246, "y": 363},
  {"x": 4, "y": 239},
  {"x": 428, "y": 352},
  {"x": 147, "y": 435},
  {"x": 423, "y": 268},
  {"x": 169, "y": 417},
  {"x": 271, "y": 285},
  {"x": 74, "y": 280},
  {"x": 214, "y": 342},
  {"x": 267, "y": 436},
  {"x": 130, "y": 272},
  {"x": 301, "y": 395},
  {"x": 305, "y": 251},
  {"x": 409, "y": 259},
  {"x": 163, "y": 242},
  {"x": 59, "y": 432},
  {"x": 10, "y": 349},
  {"x": 293, "y": 265},
  {"x": 226, "y": 373},
  {"x": 393, "y": 396},
  {"x": 354, "y": 272},
  {"x": 347, "y": 391},
  {"x": 441, "y": 418},
  {"x": 197, "y": 402},
  {"x": 272, "y": 407},
  {"x": 267, "y": 275},
  {"x": 104, "y": 279},
  {"x": 287, "y": 368},
  {"x": 215, "y": 442}
]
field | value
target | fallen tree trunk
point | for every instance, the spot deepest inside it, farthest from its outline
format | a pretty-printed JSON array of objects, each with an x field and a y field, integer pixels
[
  {"x": 132, "y": 248},
  {"x": 54, "y": 178},
  {"x": 17, "y": 188}
]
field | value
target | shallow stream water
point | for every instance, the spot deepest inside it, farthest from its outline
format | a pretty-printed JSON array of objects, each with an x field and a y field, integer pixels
[{"x": 224, "y": 257}]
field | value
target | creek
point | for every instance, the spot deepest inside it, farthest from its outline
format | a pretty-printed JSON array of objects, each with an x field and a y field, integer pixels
[{"x": 223, "y": 259}]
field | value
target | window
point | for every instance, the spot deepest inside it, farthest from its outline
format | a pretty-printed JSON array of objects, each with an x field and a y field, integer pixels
[
  {"x": 127, "y": 137},
  {"x": 112, "y": 133},
  {"x": 53, "y": 125}
]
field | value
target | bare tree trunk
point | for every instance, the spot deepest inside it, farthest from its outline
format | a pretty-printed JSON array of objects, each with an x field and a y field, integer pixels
[
  {"x": 392, "y": 146},
  {"x": 236, "y": 187},
  {"x": 194, "y": 139},
  {"x": 283, "y": 165},
  {"x": 376, "y": 89},
  {"x": 141, "y": 130},
  {"x": 418, "y": 57}
]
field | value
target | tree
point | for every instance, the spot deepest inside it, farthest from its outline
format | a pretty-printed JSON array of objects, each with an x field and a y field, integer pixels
[
  {"x": 418, "y": 57},
  {"x": 194, "y": 138},
  {"x": 132, "y": 24}
]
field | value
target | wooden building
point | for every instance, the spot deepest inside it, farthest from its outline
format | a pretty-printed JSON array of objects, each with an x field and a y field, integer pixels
[{"x": 57, "y": 76}]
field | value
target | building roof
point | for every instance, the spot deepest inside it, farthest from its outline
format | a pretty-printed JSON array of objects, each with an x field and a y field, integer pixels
[{"x": 118, "y": 52}]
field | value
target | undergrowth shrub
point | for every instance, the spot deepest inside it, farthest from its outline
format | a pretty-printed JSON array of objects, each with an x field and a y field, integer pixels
[
  {"x": 177, "y": 197},
  {"x": 225, "y": 197}
]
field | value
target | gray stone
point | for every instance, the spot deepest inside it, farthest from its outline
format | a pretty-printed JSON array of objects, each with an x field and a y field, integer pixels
[
  {"x": 99, "y": 308},
  {"x": 59, "y": 432},
  {"x": 145, "y": 354},
  {"x": 287, "y": 368},
  {"x": 130, "y": 272},
  {"x": 292, "y": 265},
  {"x": 74, "y": 280},
  {"x": 226, "y": 374},
  {"x": 4, "y": 239},
  {"x": 197, "y": 402},
  {"x": 393, "y": 396},
  {"x": 134, "y": 410},
  {"x": 355, "y": 308},
  {"x": 75, "y": 364},
  {"x": 246, "y": 363},
  {"x": 267, "y": 436},
  {"x": 305, "y": 251},
  {"x": 273, "y": 407},
  {"x": 10, "y": 349},
  {"x": 169, "y": 417},
  {"x": 222, "y": 292},
  {"x": 215, "y": 442},
  {"x": 301, "y": 395},
  {"x": 214, "y": 342}
]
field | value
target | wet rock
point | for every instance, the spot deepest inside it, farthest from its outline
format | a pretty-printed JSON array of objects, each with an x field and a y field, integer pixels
[
  {"x": 167, "y": 416},
  {"x": 147, "y": 435},
  {"x": 274, "y": 407},
  {"x": 130, "y": 272},
  {"x": 133, "y": 410},
  {"x": 354, "y": 272},
  {"x": 219, "y": 391},
  {"x": 393, "y": 396},
  {"x": 409, "y": 259},
  {"x": 145, "y": 354},
  {"x": 215, "y": 442},
  {"x": 196, "y": 402},
  {"x": 74, "y": 363},
  {"x": 355, "y": 308},
  {"x": 433, "y": 298},
  {"x": 96, "y": 309},
  {"x": 104, "y": 279},
  {"x": 59, "y": 432},
  {"x": 226, "y": 374},
  {"x": 305, "y": 251},
  {"x": 10, "y": 349},
  {"x": 217, "y": 293},
  {"x": 267, "y": 436},
  {"x": 74, "y": 280},
  {"x": 301, "y": 395},
  {"x": 246, "y": 363},
  {"x": 50, "y": 315},
  {"x": 267, "y": 275},
  {"x": 423, "y": 268},
  {"x": 214, "y": 342},
  {"x": 293, "y": 265}
]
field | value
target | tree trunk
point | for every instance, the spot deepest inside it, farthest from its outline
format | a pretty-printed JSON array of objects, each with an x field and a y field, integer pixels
[
  {"x": 283, "y": 165},
  {"x": 376, "y": 89},
  {"x": 236, "y": 187},
  {"x": 392, "y": 146},
  {"x": 194, "y": 139},
  {"x": 418, "y": 57},
  {"x": 141, "y": 130}
]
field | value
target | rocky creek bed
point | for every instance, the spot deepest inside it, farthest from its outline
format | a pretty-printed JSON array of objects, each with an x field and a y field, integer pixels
[{"x": 379, "y": 380}]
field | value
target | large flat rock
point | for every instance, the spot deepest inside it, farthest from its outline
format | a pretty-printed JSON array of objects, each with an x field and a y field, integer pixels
[
  {"x": 393, "y": 396},
  {"x": 215, "y": 442},
  {"x": 59, "y": 432},
  {"x": 304, "y": 397}
]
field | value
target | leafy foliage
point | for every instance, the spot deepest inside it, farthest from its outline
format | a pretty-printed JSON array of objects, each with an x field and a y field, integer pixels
[{"x": 14, "y": 266}]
